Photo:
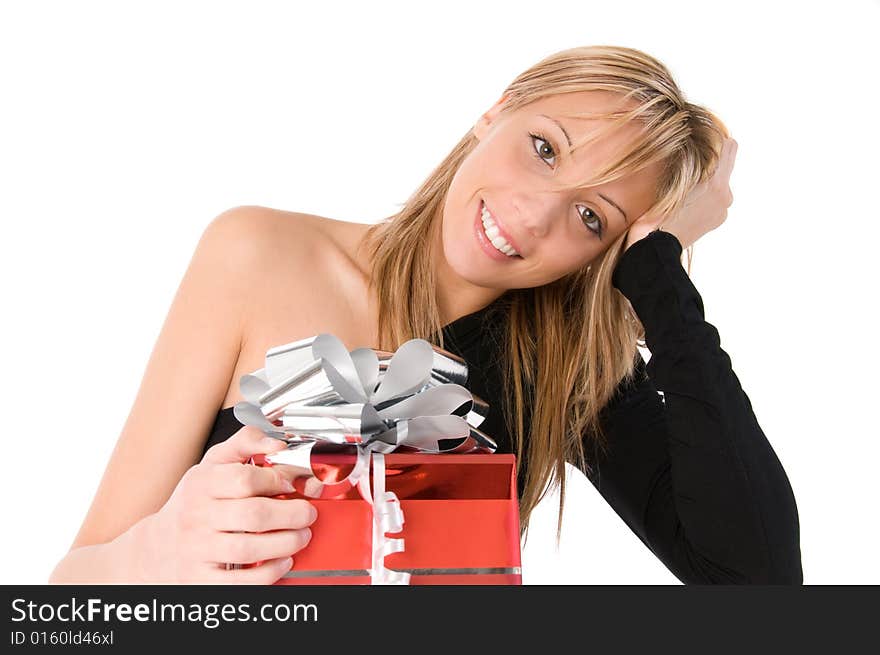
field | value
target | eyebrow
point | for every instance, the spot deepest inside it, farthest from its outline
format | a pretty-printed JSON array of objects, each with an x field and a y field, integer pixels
[
  {"x": 616, "y": 206},
  {"x": 568, "y": 138},
  {"x": 559, "y": 125}
]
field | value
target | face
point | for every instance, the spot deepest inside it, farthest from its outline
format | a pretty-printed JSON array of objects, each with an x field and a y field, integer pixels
[{"x": 515, "y": 173}]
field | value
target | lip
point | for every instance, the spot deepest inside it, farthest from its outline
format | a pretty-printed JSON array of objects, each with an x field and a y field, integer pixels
[{"x": 484, "y": 242}]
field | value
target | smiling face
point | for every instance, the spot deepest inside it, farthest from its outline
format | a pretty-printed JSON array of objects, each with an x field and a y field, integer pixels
[{"x": 506, "y": 195}]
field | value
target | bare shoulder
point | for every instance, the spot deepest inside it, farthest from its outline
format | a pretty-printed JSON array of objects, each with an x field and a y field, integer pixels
[
  {"x": 267, "y": 237},
  {"x": 304, "y": 276}
]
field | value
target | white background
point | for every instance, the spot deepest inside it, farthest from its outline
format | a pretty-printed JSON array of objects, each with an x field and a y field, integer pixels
[{"x": 126, "y": 127}]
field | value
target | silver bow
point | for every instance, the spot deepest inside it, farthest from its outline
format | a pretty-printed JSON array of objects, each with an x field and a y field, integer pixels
[{"x": 315, "y": 393}]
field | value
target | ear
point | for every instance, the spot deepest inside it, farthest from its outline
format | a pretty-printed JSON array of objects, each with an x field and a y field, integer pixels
[{"x": 481, "y": 128}]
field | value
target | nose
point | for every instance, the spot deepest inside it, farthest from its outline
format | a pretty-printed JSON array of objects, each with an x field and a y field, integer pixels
[{"x": 536, "y": 214}]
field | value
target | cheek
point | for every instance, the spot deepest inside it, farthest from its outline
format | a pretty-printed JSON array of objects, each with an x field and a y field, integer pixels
[
  {"x": 455, "y": 233},
  {"x": 560, "y": 259},
  {"x": 490, "y": 165}
]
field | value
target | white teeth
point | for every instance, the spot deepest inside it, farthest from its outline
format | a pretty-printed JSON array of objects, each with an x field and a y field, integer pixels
[{"x": 494, "y": 235}]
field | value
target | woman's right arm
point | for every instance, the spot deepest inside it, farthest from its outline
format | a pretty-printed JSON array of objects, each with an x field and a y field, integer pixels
[{"x": 156, "y": 500}]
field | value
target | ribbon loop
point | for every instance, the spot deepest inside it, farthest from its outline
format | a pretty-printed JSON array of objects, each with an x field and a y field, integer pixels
[{"x": 314, "y": 393}]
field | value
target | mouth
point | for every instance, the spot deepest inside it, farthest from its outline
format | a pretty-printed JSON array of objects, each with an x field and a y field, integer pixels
[{"x": 492, "y": 237}]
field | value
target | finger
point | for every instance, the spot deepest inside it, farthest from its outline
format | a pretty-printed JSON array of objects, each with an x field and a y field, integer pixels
[
  {"x": 265, "y": 573},
  {"x": 249, "y": 547},
  {"x": 242, "y": 445},
  {"x": 236, "y": 480},
  {"x": 260, "y": 514}
]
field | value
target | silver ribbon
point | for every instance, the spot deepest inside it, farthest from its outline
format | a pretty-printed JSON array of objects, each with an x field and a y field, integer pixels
[{"x": 314, "y": 393}]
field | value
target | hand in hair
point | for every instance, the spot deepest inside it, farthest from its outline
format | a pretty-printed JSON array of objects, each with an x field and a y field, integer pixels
[{"x": 704, "y": 208}]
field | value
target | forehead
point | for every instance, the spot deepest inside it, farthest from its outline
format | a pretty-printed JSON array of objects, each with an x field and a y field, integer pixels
[
  {"x": 577, "y": 102},
  {"x": 577, "y": 111}
]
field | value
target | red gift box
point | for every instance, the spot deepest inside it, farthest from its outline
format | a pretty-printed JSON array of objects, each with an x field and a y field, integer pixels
[{"x": 461, "y": 522}]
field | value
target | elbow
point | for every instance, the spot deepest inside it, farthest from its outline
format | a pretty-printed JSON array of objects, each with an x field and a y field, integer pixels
[
  {"x": 783, "y": 559},
  {"x": 787, "y": 573},
  {"x": 782, "y": 568},
  {"x": 57, "y": 574},
  {"x": 776, "y": 576},
  {"x": 66, "y": 571}
]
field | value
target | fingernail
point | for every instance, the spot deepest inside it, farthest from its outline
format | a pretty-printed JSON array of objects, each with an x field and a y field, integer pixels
[
  {"x": 313, "y": 513},
  {"x": 286, "y": 484}
]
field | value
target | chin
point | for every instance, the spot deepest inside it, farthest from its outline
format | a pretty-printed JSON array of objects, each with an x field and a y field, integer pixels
[
  {"x": 461, "y": 260},
  {"x": 465, "y": 261}
]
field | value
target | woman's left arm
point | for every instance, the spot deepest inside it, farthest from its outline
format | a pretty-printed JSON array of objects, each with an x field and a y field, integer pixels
[{"x": 693, "y": 474}]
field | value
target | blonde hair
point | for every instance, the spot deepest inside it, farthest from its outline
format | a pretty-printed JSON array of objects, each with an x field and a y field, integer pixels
[{"x": 571, "y": 342}]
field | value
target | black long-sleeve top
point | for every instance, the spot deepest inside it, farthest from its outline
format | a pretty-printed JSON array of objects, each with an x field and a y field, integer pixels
[{"x": 692, "y": 473}]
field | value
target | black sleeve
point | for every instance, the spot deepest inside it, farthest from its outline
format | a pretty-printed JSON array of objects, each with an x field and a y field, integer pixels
[{"x": 692, "y": 473}]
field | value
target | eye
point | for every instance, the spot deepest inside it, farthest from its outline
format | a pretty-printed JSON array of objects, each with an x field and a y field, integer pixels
[
  {"x": 542, "y": 151},
  {"x": 547, "y": 150},
  {"x": 597, "y": 219}
]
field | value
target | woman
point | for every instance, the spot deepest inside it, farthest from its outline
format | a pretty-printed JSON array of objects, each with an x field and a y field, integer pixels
[{"x": 543, "y": 249}]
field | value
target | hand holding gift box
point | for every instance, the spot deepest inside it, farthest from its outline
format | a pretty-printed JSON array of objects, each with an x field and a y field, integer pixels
[{"x": 341, "y": 413}]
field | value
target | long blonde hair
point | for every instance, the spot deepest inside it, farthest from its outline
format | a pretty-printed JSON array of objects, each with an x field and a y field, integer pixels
[{"x": 568, "y": 343}]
